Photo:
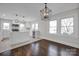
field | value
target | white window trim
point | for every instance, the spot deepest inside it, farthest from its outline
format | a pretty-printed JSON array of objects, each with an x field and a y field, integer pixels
[
  {"x": 67, "y": 26},
  {"x": 4, "y": 25},
  {"x": 54, "y": 32},
  {"x": 35, "y": 26}
]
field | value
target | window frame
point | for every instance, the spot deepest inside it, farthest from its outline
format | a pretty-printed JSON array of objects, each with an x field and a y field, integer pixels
[
  {"x": 35, "y": 27},
  {"x": 67, "y": 26},
  {"x": 6, "y": 26},
  {"x": 53, "y": 27},
  {"x": 22, "y": 29}
]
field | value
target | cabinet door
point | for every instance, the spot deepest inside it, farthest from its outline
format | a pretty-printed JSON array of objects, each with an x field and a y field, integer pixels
[
  {"x": 4, "y": 44},
  {"x": 5, "y": 40}
]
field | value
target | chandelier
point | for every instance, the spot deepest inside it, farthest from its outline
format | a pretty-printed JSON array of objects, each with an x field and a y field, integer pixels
[{"x": 45, "y": 13}]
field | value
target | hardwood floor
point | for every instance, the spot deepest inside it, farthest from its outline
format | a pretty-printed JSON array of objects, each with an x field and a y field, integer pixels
[{"x": 43, "y": 48}]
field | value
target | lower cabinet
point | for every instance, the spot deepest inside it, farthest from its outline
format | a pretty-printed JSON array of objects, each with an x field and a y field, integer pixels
[{"x": 4, "y": 44}]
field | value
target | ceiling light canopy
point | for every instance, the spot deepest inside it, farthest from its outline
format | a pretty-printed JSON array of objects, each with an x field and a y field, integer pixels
[{"x": 46, "y": 13}]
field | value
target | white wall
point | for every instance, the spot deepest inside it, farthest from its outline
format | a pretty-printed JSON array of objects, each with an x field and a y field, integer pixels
[{"x": 72, "y": 40}]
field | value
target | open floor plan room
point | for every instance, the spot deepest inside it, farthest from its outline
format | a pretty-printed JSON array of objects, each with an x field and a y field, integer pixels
[{"x": 39, "y": 29}]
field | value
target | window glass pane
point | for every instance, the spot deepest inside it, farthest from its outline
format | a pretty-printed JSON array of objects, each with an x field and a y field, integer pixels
[
  {"x": 53, "y": 26},
  {"x": 67, "y": 25},
  {"x": 22, "y": 28},
  {"x": 32, "y": 26},
  {"x": 52, "y": 31},
  {"x": 53, "y": 23},
  {"x": 6, "y": 26},
  {"x": 70, "y": 30},
  {"x": 35, "y": 26}
]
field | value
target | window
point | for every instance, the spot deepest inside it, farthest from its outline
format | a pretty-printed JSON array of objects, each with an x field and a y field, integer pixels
[
  {"x": 35, "y": 27},
  {"x": 6, "y": 26},
  {"x": 67, "y": 26},
  {"x": 53, "y": 26},
  {"x": 22, "y": 28}
]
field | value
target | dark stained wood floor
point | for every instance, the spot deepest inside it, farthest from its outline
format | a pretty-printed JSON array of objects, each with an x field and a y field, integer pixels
[{"x": 43, "y": 48}]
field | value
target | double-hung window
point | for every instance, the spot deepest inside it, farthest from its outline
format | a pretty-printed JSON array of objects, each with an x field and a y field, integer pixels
[
  {"x": 22, "y": 28},
  {"x": 6, "y": 26},
  {"x": 35, "y": 27},
  {"x": 67, "y": 25},
  {"x": 53, "y": 27}
]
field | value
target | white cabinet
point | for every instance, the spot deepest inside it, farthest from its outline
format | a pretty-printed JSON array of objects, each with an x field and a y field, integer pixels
[
  {"x": 4, "y": 40},
  {"x": 4, "y": 44},
  {"x": 19, "y": 37}
]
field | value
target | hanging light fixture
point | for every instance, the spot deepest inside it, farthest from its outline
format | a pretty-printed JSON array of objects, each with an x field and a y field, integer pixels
[{"x": 46, "y": 13}]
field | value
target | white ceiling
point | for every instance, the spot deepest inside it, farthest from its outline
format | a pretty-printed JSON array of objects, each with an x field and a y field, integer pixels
[{"x": 31, "y": 11}]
